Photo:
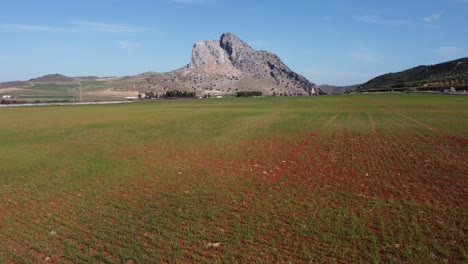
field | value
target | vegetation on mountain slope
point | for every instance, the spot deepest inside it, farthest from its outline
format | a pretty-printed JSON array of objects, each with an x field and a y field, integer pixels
[{"x": 422, "y": 78}]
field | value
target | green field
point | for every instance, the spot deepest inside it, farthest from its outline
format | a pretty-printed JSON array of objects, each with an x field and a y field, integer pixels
[
  {"x": 333, "y": 179},
  {"x": 70, "y": 92}
]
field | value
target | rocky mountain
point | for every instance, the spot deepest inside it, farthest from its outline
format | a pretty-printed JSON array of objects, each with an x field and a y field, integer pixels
[
  {"x": 422, "y": 78},
  {"x": 225, "y": 66},
  {"x": 217, "y": 67}
]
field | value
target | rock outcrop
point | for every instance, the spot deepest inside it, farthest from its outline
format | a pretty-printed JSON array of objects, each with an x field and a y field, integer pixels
[
  {"x": 208, "y": 54},
  {"x": 228, "y": 65}
]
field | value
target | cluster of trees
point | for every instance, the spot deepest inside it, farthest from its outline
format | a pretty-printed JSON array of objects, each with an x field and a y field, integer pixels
[
  {"x": 148, "y": 95},
  {"x": 179, "y": 94},
  {"x": 289, "y": 94},
  {"x": 168, "y": 94},
  {"x": 462, "y": 87},
  {"x": 249, "y": 94},
  {"x": 12, "y": 102},
  {"x": 412, "y": 88}
]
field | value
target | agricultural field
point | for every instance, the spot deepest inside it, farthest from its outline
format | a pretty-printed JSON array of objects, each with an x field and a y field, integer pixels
[
  {"x": 332, "y": 179},
  {"x": 91, "y": 90}
]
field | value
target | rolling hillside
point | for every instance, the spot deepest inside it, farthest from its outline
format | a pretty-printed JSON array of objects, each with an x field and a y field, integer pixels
[
  {"x": 55, "y": 87},
  {"x": 436, "y": 77}
]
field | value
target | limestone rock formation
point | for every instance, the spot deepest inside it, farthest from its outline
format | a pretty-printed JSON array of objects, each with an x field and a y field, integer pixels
[
  {"x": 228, "y": 65},
  {"x": 206, "y": 54}
]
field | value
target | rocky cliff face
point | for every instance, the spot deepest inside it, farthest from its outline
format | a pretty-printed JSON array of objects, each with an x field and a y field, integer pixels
[
  {"x": 241, "y": 55},
  {"x": 228, "y": 65},
  {"x": 208, "y": 54}
]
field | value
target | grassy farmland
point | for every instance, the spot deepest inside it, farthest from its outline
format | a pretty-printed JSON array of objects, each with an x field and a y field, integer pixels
[
  {"x": 90, "y": 91},
  {"x": 345, "y": 179}
]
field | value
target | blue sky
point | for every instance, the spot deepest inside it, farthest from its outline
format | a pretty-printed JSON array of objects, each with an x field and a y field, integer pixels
[{"x": 329, "y": 42}]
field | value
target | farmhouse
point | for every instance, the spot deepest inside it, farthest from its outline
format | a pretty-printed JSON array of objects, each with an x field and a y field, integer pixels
[{"x": 6, "y": 96}]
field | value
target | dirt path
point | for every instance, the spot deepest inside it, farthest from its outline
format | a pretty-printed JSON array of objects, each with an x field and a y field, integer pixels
[{"x": 111, "y": 92}]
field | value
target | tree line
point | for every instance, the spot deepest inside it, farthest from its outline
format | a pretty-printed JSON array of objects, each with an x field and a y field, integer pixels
[
  {"x": 168, "y": 94},
  {"x": 249, "y": 94}
]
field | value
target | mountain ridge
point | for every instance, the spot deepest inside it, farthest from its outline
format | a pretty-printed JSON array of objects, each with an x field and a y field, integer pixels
[{"x": 435, "y": 77}]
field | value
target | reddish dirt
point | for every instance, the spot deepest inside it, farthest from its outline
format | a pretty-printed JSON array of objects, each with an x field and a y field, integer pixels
[
  {"x": 292, "y": 158},
  {"x": 384, "y": 164}
]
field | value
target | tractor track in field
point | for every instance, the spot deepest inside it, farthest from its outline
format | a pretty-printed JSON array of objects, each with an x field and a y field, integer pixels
[
  {"x": 374, "y": 129},
  {"x": 459, "y": 140},
  {"x": 291, "y": 159}
]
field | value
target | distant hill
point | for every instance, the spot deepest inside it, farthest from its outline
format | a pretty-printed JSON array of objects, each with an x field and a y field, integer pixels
[
  {"x": 15, "y": 84},
  {"x": 333, "y": 89},
  {"x": 54, "y": 78},
  {"x": 422, "y": 78},
  {"x": 86, "y": 78}
]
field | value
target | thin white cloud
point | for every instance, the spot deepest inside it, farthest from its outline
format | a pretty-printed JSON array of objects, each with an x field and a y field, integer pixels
[
  {"x": 387, "y": 22},
  {"x": 74, "y": 27},
  {"x": 106, "y": 27},
  {"x": 128, "y": 44},
  {"x": 31, "y": 28},
  {"x": 365, "y": 57},
  {"x": 448, "y": 53},
  {"x": 433, "y": 17}
]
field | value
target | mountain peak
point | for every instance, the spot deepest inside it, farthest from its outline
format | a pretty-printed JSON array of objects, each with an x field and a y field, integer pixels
[
  {"x": 229, "y": 35},
  {"x": 229, "y": 40},
  {"x": 228, "y": 65}
]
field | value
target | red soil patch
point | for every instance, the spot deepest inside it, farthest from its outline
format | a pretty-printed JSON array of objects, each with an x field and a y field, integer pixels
[
  {"x": 293, "y": 155},
  {"x": 400, "y": 164}
]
